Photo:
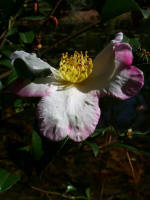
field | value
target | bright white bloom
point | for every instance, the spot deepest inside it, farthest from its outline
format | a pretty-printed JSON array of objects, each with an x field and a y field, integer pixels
[{"x": 70, "y": 96}]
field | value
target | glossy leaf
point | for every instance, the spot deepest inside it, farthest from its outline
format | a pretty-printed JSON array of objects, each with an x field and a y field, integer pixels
[
  {"x": 6, "y": 63},
  {"x": 27, "y": 37},
  {"x": 7, "y": 180},
  {"x": 94, "y": 147},
  {"x": 87, "y": 191},
  {"x": 6, "y": 52}
]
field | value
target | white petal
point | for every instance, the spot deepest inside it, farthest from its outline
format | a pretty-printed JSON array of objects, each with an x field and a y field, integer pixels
[
  {"x": 39, "y": 88},
  {"x": 68, "y": 113},
  {"x": 118, "y": 37},
  {"x": 104, "y": 67},
  {"x": 34, "y": 64}
]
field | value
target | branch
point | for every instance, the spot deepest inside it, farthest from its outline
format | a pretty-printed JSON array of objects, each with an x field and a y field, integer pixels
[
  {"x": 86, "y": 28},
  {"x": 11, "y": 23},
  {"x": 5, "y": 74},
  {"x": 56, "y": 6}
]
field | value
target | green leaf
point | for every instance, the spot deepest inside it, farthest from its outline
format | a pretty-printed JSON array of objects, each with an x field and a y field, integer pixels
[
  {"x": 7, "y": 180},
  {"x": 70, "y": 188},
  {"x": 132, "y": 148},
  {"x": 13, "y": 76},
  {"x": 12, "y": 31},
  {"x": 94, "y": 147},
  {"x": 37, "y": 146},
  {"x": 18, "y": 103},
  {"x": 1, "y": 85},
  {"x": 87, "y": 192},
  {"x": 133, "y": 42},
  {"x": 6, "y": 63},
  {"x": 25, "y": 148},
  {"x": 6, "y": 52},
  {"x": 113, "y": 8},
  {"x": 27, "y": 37},
  {"x": 145, "y": 13},
  {"x": 97, "y": 132}
]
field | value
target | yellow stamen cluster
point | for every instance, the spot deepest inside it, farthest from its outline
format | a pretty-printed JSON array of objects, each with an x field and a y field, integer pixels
[{"x": 75, "y": 68}]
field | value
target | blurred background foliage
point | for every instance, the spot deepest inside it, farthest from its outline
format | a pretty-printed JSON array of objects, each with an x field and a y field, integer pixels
[{"x": 114, "y": 162}]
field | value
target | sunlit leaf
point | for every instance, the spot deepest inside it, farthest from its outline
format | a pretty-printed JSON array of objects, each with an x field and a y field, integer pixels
[
  {"x": 87, "y": 192},
  {"x": 70, "y": 188},
  {"x": 7, "y": 180}
]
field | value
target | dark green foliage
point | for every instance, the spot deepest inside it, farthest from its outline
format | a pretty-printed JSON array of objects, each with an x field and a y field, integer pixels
[
  {"x": 36, "y": 146},
  {"x": 113, "y": 8},
  {"x": 57, "y": 166},
  {"x": 7, "y": 180}
]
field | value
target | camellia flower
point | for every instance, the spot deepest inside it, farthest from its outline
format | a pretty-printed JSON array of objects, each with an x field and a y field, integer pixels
[{"x": 70, "y": 95}]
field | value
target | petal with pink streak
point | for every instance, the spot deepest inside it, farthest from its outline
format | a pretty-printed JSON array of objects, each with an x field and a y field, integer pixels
[
  {"x": 68, "y": 113},
  {"x": 26, "y": 88},
  {"x": 126, "y": 83},
  {"x": 112, "y": 71},
  {"x": 123, "y": 53}
]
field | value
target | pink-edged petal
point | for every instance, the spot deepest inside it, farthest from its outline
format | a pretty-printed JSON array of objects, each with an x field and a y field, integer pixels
[
  {"x": 104, "y": 67},
  {"x": 68, "y": 113},
  {"x": 113, "y": 72},
  {"x": 34, "y": 64},
  {"x": 126, "y": 83},
  {"x": 25, "y": 88},
  {"x": 123, "y": 53},
  {"x": 104, "y": 63}
]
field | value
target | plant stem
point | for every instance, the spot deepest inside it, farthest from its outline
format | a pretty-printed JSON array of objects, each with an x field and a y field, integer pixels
[{"x": 57, "y": 193}]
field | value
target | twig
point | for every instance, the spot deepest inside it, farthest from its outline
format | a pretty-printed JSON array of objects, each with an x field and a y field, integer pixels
[
  {"x": 5, "y": 74},
  {"x": 86, "y": 28},
  {"x": 4, "y": 35},
  {"x": 134, "y": 176},
  {"x": 109, "y": 139},
  {"x": 4, "y": 38},
  {"x": 131, "y": 166},
  {"x": 56, "y": 193},
  {"x": 56, "y": 6},
  {"x": 102, "y": 191}
]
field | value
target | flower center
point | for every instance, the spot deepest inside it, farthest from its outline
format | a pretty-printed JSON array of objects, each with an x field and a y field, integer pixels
[{"x": 75, "y": 68}]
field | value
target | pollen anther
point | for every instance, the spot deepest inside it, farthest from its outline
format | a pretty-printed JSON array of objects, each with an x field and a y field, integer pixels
[{"x": 75, "y": 68}]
